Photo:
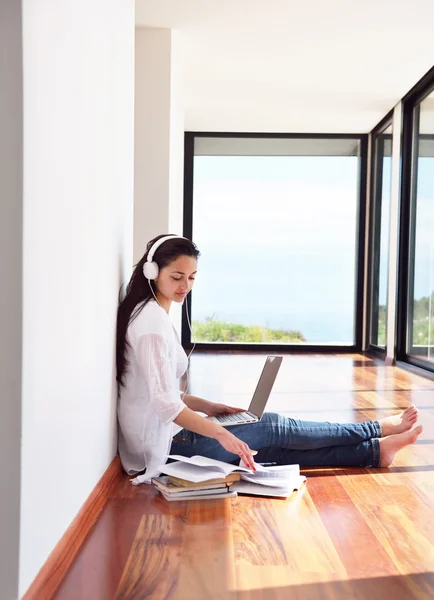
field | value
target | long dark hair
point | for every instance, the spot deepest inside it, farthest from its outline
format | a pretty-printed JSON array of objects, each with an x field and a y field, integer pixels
[{"x": 138, "y": 292}]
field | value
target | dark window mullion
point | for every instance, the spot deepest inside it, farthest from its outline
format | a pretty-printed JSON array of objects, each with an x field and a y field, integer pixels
[
  {"x": 412, "y": 230},
  {"x": 376, "y": 242}
]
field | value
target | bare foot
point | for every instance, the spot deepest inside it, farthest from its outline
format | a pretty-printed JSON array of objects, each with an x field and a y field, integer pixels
[
  {"x": 399, "y": 423},
  {"x": 390, "y": 445}
]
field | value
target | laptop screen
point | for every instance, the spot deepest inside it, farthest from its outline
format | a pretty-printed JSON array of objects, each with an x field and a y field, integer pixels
[{"x": 265, "y": 385}]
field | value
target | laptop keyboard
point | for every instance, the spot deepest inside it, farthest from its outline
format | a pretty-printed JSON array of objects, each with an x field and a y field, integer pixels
[{"x": 236, "y": 418}]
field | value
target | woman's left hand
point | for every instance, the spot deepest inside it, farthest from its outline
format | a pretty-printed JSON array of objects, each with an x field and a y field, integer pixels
[{"x": 212, "y": 409}]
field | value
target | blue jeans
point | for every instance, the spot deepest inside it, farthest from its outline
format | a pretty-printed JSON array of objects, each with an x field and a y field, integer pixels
[{"x": 285, "y": 441}]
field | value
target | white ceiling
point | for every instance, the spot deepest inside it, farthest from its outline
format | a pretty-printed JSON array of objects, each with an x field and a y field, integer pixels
[{"x": 319, "y": 66}]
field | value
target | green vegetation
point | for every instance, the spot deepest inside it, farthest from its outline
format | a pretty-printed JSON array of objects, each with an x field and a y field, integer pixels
[
  {"x": 212, "y": 330},
  {"x": 381, "y": 326},
  {"x": 423, "y": 322}
]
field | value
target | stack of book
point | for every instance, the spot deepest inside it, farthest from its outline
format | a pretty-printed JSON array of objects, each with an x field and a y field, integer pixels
[
  {"x": 203, "y": 478},
  {"x": 175, "y": 488},
  {"x": 198, "y": 478}
]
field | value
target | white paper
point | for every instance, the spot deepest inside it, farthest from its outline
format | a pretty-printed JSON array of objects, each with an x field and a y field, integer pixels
[
  {"x": 277, "y": 470},
  {"x": 195, "y": 473},
  {"x": 279, "y": 482},
  {"x": 200, "y": 468},
  {"x": 211, "y": 463},
  {"x": 253, "y": 489},
  {"x": 277, "y": 476}
]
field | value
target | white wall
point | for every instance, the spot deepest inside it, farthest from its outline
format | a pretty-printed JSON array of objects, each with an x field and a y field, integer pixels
[
  {"x": 159, "y": 137},
  {"x": 152, "y": 136},
  {"x": 288, "y": 66},
  {"x": 158, "y": 141},
  {"x": 11, "y": 204},
  {"x": 78, "y": 202},
  {"x": 176, "y": 160}
]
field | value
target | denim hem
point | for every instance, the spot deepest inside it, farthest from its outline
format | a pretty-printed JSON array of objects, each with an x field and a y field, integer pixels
[
  {"x": 375, "y": 445},
  {"x": 378, "y": 429}
]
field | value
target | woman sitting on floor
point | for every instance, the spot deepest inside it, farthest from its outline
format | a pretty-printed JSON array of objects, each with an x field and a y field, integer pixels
[{"x": 155, "y": 419}]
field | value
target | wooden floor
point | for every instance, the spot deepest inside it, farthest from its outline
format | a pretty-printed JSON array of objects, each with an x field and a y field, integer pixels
[{"x": 351, "y": 533}]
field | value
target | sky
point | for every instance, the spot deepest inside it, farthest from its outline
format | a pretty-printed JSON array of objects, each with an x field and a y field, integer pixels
[{"x": 278, "y": 241}]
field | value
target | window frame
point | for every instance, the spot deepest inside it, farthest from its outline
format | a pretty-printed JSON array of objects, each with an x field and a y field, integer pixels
[
  {"x": 189, "y": 138},
  {"x": 375, "y": 203},
  {"x": 411, "y": 112}
]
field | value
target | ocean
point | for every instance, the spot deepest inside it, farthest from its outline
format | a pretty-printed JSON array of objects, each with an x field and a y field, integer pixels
[{"x": 305, "y": 297}]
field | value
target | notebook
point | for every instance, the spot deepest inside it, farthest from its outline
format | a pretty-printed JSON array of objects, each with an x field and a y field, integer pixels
[{"x": 260, "y": 397}]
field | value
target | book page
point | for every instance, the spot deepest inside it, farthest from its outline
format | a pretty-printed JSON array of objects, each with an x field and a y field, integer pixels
[
  {"x": 252, "y": 489},
  {"x": 278, "y": 482},
  {"x": 190, "y": 472},
  {"x": 210, "y": 463},
  {"x": 277, "y": 470},
  {"x": 276, "y": 476}
]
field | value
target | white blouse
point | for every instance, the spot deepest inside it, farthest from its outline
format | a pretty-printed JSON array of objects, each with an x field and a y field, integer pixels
[{"x": 150, "y": 399}]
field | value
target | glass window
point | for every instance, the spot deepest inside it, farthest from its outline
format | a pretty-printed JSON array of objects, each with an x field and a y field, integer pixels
[
  {"x": 420, "y": 330},
  {"x": 380, "y": 235},
  {"x": 276, "y": 221}
]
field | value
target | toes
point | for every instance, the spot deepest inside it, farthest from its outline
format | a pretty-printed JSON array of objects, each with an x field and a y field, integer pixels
[
  {"x": 416, "y": 431},
  {"x": 410, "y": 413}
]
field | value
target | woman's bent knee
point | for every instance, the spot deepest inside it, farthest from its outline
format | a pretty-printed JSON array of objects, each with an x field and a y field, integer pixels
[{"x": 272, "y": 418}]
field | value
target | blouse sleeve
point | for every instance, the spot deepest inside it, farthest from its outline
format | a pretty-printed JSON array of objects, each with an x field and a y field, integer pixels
[{"x": 155, "y": 367}]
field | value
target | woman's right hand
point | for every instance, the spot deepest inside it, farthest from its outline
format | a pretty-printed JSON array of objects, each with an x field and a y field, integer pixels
[{"x": 234, "y": 445}]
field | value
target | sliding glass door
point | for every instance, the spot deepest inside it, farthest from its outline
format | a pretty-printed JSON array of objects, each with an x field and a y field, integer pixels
[
  {"x": 420, "y": 315},
  {"x": 416, "y": 291}
]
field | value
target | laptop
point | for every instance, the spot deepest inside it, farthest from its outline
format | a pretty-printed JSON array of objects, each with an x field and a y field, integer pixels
[{"x": 260, "y": 397}]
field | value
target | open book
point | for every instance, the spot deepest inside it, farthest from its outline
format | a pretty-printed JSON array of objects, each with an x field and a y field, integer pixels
[
  {"x": 279, "y": 481},
  {"x": 199, "y": 468}
]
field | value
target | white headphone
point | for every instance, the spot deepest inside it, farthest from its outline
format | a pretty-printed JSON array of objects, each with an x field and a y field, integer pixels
[{"x": 150, "y": 268}]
